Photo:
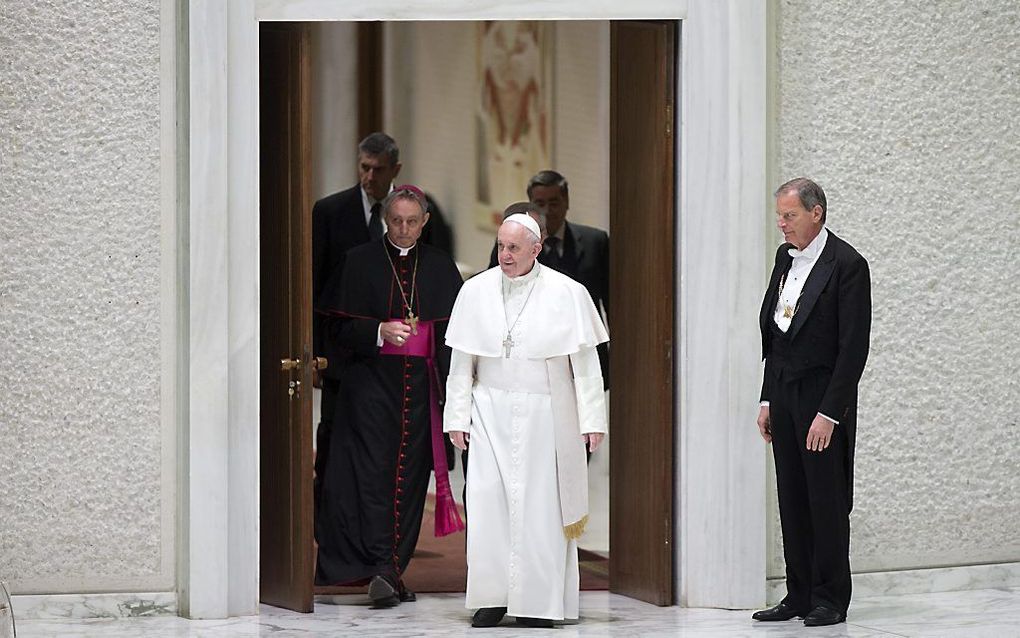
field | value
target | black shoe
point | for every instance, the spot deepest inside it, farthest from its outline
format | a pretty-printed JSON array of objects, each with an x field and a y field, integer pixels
[
  {"x": 382, "y": 593},
  {"x": 782, "y": 611},
  {"x": 541, "y": 623},
  {"x": 821, "y": 616},
  {"x": 406, "y": 595},
  {"x": 488, "y": 616}
]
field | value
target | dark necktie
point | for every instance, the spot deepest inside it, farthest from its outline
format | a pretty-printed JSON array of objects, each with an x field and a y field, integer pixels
[
  {"x": 552, "y": 252},
  {"x": 375, "y": 229}
]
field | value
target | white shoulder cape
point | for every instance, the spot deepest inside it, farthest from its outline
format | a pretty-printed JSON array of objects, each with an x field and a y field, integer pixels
[{"x": 561, "y": 306}]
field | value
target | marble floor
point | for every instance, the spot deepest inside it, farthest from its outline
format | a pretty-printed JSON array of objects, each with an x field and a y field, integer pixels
[{"x": 982, "y": 613}]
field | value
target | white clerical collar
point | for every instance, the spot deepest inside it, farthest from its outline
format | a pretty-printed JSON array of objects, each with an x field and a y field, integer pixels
[
  {"x": 813, "y": 249},
  {"x": 403, "y": 251},
  {"x": 525, "y": 278}
]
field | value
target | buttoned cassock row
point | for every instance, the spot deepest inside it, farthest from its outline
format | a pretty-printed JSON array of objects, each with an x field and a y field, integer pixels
[{"x": 373, "y": 494}]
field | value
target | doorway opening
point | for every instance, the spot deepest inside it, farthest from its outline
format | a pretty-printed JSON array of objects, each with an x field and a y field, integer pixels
[{"x": 426, "y": 85}]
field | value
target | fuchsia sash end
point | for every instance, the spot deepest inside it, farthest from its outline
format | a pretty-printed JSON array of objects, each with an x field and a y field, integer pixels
[{"x": 422, "y": 344}]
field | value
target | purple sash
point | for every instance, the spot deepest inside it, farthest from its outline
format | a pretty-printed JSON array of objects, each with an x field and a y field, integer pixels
[{"x": 422, "y": 344}]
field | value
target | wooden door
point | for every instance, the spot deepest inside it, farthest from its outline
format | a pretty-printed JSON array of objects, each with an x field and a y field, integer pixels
[
  {"x": 286, "y": 539},
  {"x": 641, "y": 317}
]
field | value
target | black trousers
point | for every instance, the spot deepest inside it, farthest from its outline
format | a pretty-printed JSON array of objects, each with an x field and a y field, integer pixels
[
  {"x": 813, "y": 498},
  {"x": 330, "y": 389}
]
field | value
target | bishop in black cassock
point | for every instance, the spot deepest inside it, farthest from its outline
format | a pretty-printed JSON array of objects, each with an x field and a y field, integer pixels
[{"x": 388, "y": 313}]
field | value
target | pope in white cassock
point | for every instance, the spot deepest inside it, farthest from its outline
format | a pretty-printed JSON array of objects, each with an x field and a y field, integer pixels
[{"x": 525, "y": 393}]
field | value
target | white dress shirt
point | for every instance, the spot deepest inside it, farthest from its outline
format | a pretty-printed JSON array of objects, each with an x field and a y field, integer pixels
[
  {"x": 803, "y": 262},
  {"x": 367, "y": 203},
  {"x": 561, "y": 235}
]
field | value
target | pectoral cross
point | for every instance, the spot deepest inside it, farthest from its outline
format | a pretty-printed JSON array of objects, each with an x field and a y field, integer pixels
[
  {"x": 507, "y": 344},
  {"x": 412, "y": 321},
  {"x": 787, "y": 311}
]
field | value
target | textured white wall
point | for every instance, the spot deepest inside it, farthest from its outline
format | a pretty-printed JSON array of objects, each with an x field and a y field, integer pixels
[
  {"x": 83, "y": 504},
  {"x": 432, "y": 89},
  {"x": 907, "y": 114}
]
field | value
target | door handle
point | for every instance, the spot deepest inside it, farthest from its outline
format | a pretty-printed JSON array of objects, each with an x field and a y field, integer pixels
[
  {"x": 320, "y": 363},
  {"x": 289, "y": 364}
]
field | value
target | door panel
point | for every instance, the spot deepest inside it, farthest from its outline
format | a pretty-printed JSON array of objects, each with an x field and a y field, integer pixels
[
  {"x": 286, "y": 544},
  {"x": 642, "y": 194}
]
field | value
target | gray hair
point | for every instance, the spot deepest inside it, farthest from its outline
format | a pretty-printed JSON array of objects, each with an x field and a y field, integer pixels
[
  {"x": 403, "y": 194},
  {"x": 809, "y": 193},
  {"x": 549, "y": 178},
  {"x": 380, "y": 144}
]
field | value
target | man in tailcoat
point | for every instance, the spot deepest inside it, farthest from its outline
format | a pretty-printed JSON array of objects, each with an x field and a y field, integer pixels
[{"x": 815, "y": 325}]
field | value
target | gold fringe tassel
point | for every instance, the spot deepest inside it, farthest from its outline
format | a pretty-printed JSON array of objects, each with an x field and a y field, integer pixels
[{"x": 574, "y": 530}]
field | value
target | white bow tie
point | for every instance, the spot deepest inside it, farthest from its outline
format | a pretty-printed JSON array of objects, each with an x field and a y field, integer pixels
[{"x": 799, "y": 253}]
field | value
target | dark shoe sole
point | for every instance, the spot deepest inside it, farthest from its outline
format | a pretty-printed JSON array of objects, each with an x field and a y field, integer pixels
[
  {"x": 536, "y": 623},
  {"x": 824, "y": 622},
  {"x": 776, "y": 618},
  {"x": 772, "y": 615},
  {"x": 382, "y": 593},
  {"x": 488, "y": 619}
]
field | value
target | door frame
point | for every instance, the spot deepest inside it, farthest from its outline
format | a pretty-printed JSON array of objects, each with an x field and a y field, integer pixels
[{"x": 721, "y": 239}]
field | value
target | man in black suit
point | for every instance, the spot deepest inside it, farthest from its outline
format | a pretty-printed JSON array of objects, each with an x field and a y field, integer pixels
[
  {"x": 815, "y": 326},
  {"x": 340, "y": 222},
  {"x": 578, "y": 251}
]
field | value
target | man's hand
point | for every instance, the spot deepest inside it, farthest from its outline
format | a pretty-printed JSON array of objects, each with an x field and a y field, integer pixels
[
  {"x": 593, "y": 440},
  {"x": 316, "y": 379},
  {"x": 765, "y": 423},
  {"x": 396, "y": 332},
  {"x": 819, "y": 434},
  {"x": 460, "y": 440}
]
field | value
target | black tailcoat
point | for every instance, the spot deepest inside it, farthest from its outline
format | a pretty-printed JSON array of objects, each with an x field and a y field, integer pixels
[
  {"x": 815, "y": 367},
  {"x": 374, "y": 488}
]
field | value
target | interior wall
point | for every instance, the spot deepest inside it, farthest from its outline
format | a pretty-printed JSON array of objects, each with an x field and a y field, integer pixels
[
  {"x": 87, "y": 495},
  {"x": 907, "y": 115},
  {"x": 334, "y": 107},
  {"x": 431, "y": 96}
]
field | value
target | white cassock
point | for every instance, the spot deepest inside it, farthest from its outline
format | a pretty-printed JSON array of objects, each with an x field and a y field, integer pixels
[{"x": 526, "y": 413}]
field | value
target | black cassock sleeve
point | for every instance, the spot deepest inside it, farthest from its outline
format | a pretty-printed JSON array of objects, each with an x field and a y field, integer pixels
[{"x": 350, "y": 324}]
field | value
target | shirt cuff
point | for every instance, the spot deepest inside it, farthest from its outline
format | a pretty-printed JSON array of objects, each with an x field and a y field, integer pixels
[
  {"x": 378, "y": 336},
  {"x": 764, "y": 404},
  {"x": 829, "y": 418}
]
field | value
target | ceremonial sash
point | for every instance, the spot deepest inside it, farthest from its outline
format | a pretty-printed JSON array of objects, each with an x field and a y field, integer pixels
[{"x": 423, "y": 345}]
